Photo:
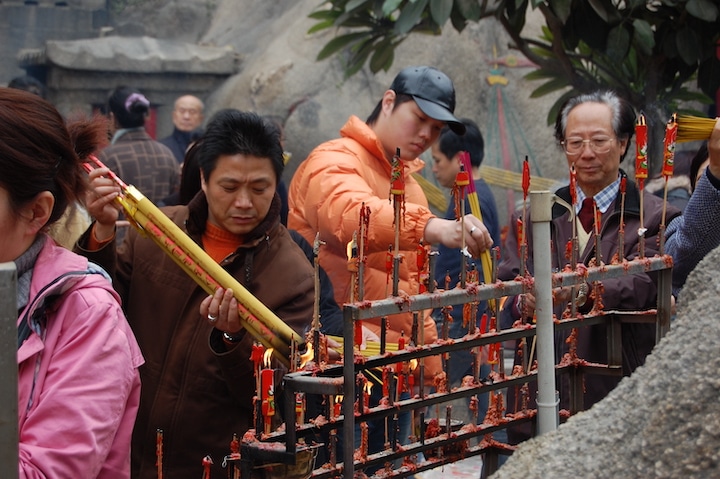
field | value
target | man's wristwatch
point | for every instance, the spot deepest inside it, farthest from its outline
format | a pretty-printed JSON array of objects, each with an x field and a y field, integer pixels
[{"x": 581, "y": 296}]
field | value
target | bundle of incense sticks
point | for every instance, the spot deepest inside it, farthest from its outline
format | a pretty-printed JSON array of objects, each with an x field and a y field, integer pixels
[
  {"x": 372, "y": 348},
  {"x": 694, "y": 128},
  {"x": 257, "y": 318},
  {"x": 485, "y": 259}
]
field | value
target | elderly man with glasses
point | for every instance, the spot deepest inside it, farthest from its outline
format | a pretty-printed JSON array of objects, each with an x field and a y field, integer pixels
[{"x": 594, "y": 131}]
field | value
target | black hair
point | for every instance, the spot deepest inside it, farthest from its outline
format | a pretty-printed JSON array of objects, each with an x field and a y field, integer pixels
[
  {"x": 129, "y": 106},
  {"x": 233, "y": 132},
  {"x": 450, "y": 143},
  {"x": 400, "y": 98},
  {"x": 29, "y": 83}
]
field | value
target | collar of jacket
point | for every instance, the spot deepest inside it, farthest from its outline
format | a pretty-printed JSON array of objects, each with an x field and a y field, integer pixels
[
  {"x": 198, "y": 216},
  {"x": 632, "y": 198},
  {"x": 130, "y": 134},
  {"x": 359, "y": 131}
]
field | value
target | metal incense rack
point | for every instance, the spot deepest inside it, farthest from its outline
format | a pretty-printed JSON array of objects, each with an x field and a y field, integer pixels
[{"x": 294, "y": 443}]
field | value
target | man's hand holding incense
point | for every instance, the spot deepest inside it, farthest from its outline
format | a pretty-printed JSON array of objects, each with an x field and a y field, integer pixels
[
  {"x": 450, "y": 233},
  {"x": 221, "y": 311}
]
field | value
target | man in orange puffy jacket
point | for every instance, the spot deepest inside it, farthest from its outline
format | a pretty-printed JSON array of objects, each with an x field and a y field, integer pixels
[{"x": 340, "y": 176}]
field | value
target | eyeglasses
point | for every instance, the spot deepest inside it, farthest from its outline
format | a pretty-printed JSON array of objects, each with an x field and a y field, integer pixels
[{"x": 598, "y": 144}]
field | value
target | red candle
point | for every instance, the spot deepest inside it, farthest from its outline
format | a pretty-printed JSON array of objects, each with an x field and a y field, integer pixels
[
  {"x": 641, "y": 161},
  {"x": 573, "y": 184},
  {"x": 462, "y": 179},
  {"x": 267, "y": 385},
  {"x": 397, "y": 176},
  {"x": 401, "y": 346},
  {"x": 386, "y": 381},
  {"x": 669, "y": 150},
  {"x": 526, "y": 178},
  {"x": 300, "y": 408},
  {"x": 337, "y": 407}
]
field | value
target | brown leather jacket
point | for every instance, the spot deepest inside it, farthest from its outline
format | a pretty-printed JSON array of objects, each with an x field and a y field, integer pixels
[{"x": 195, "y": 391}]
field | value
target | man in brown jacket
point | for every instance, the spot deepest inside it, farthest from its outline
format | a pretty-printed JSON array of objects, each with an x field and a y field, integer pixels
[{"x": 197, "y": 382}]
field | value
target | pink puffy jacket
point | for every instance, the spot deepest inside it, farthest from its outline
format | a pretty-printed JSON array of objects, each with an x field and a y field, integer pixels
[{"x": 78, "y": 383}]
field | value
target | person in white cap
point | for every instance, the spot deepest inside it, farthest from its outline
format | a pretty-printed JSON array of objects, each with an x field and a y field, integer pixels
[{"x": 340, "y": 176}]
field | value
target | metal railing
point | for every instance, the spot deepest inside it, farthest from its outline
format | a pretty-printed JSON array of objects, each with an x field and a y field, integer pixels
[{"x": 450, "y": 445}]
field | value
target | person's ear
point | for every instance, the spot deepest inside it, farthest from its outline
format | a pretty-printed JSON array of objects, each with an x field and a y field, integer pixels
[
  {"x": 388, "y": 101},
  {"x": 38, "y": 211}
]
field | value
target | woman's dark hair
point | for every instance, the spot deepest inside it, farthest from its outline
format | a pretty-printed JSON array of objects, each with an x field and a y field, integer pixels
[
  {"x": 233, "y": 132},
  {"x": 41, "y": 152},
  {"x": 700, "y": 157},
  {"x": 623, "y": 114},
  {"x": 129, "y": 106}
]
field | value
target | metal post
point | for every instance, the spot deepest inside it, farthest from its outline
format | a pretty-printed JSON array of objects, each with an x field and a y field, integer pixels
[
  {"x": 547, "y": 400},
  {"x": 349, "y": 396},
  {"x": 8, "y": 371}
]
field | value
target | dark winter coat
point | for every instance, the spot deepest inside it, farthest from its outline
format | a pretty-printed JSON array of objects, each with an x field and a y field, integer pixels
[{"x": 195, "y": 391}]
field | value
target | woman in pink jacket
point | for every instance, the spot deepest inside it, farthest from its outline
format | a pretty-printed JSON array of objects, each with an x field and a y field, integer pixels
[{"x": 78, "y": 381}]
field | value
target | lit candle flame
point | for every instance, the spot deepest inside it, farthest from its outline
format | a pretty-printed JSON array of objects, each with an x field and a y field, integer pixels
[
  {"x": 412, "y": 364},
  {"x": 267, "y": 357},
  {"x": 352, "y": 247},
  {"x": 368, "y": 387},
  {"x": 307, "y": 356}
]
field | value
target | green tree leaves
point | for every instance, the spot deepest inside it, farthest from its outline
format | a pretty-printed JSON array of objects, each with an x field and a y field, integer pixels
[{"x": 646, "y": 49}]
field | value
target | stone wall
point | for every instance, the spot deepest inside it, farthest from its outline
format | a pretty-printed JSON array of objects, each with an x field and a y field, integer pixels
[{"x": 24, "y": 26}]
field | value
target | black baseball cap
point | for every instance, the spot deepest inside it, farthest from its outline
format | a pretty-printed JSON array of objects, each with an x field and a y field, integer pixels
[{"x": 433, "y": 91}]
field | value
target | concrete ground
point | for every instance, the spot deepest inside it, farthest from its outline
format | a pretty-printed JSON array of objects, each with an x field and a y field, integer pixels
[{"x": 466, "y": 469}]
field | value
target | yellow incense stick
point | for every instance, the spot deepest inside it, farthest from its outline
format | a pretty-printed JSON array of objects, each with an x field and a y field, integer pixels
[
  {"x": 477, "y": 212},
  {"x": 694, "y": 128},
  {"x": 372, "y": 348}
]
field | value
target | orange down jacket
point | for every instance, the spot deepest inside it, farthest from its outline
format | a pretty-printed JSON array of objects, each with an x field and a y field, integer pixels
[{"x": 326, "y": 194}]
